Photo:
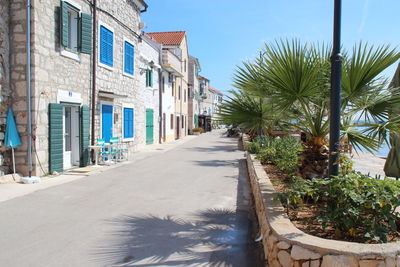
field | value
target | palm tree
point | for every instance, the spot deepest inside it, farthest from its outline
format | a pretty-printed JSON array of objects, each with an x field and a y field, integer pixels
[
  {"x": 250, "y": 112},
  {"x": 296, "y": 78}
]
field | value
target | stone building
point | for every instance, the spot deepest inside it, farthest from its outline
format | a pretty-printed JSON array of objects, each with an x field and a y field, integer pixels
[
  {"x": 194, "y": 93},
  {"x": 62, "y": 77},
  {"x": 5, "y": 93},
  {"x": 176, "y": 45}
]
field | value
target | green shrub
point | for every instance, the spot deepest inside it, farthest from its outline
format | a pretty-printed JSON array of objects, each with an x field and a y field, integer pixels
[
  {"x": 354, "y": 204},
  {"x": 253, "y": 147},
  {"x": 283, "y": 152}
]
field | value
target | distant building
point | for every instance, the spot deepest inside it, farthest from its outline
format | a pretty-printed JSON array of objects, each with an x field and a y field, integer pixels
[
  {"x": 175, "y": 45},
  {"x": 194, "y": 93}
]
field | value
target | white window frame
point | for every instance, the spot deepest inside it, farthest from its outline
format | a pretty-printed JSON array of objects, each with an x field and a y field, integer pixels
[
  {"x": 128, "y": 105},
  {"x": 101, "y": 117},
  {"x": 98, "y": 45},
  {"x": 123, "y": 58},
  {"x": 63, "y": 52}
]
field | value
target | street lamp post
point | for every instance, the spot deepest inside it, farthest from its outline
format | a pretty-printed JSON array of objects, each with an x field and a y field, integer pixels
[{"x": 335, "y": 98}]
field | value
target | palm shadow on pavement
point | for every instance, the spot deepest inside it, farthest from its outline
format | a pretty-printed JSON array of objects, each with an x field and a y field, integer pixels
[{"x": 212, "y": 239}]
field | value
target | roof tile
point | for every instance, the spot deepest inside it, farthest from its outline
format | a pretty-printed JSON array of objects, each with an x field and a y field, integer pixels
[{"x": 168, "y": 38}]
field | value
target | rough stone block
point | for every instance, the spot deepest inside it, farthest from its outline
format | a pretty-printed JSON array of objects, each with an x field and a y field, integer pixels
[
  {"x": 285, "y": 259},
  {"x": 283, "y": 245},
  {"x": 299, "y": 253},
  {"x": 306, "y": 264},
  {"x": 370, "y": 263},
  {"x": 314, "y": 263},
  {"x": 339, "y": 261},
  {"x": 390, "y": 262}
]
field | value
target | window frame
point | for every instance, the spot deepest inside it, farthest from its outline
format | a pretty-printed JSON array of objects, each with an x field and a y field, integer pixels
[
  {"x": 101, "y": 64},
  {"x": 65, "y": 51},
  {"x": 126, "y": 40},
  {"x": 130, "y": 106}
]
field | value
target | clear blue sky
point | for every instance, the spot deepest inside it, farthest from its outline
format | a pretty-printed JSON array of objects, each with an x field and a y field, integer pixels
[{"x": 223, "y": 33}]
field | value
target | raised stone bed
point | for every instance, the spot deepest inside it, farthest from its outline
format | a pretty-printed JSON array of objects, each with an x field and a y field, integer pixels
[{"x": 285, "y": 245}]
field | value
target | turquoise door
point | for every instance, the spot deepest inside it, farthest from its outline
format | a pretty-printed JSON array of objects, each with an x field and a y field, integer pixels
[
  {"x": 106, "y": 122},
  {"x": 149, "y": 126}
]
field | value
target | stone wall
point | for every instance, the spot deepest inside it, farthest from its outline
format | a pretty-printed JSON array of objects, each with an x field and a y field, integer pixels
[
  {"x": 285, "y": 245},
  {"x": 5, "y": 92}
]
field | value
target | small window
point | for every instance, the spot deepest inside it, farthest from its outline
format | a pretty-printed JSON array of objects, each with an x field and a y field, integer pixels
[
  {"x": 183, "y": 122},
  {"x": 179, "y": 92},
  {"x": 128, "y": 123},
  {"x": 129, "y": 51},
  {"x": 163, "y": 84},
  {"x": 75, "y": 29},
  {"x": 172, "y": 121},
  {"x": 106, "y": 46},
  {"x": 149, "y": 78},
  {"x": 173, "y": 88},
  {"x": 184, "y": 95}
]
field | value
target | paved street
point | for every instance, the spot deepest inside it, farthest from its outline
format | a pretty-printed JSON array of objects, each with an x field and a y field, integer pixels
[{"x": 187, "y": 206}]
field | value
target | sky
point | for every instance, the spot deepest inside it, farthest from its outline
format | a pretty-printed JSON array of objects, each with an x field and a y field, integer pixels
[{"x": 224, "y": 33}]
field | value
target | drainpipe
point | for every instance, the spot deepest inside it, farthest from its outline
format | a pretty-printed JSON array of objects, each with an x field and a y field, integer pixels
[
  {"x": 29, "y": 179},
  {"x": 94, "y": 73},
  {"x": 28, "y": 84}
]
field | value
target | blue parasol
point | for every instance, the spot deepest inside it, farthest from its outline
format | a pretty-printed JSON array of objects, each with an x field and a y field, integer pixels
[{"x": 12, "y": 138}]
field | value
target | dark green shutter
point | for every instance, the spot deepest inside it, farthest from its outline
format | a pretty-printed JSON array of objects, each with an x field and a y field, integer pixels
[
  {"x": 64, "y": 24},
  {"x": 84, "y": 120},
  {"x": 86, "y": 33},
  {"x": 55, "y": 138}
]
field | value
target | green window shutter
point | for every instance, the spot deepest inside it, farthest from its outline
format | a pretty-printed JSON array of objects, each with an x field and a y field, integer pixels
[
  {"x": 84, "y": 120},
  {"x": 151, "y": 78},
  {"x": 64, "y": 23},
  {"x": 55, "y": 138},
  {"x": 86, "y": 33}
]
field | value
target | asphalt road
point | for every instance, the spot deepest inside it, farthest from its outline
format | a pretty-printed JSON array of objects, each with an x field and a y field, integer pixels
[{"x": 187, "y": 206}]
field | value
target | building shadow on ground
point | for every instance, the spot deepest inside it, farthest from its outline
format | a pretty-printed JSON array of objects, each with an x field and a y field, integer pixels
[{"x": 213, "y": 238}]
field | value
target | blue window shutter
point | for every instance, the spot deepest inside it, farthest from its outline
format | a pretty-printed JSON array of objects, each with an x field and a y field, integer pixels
[
  {"x": 128, "y": 57},
  {"x": 128, "y": 122},
  {"x": 106, "y": 46}
]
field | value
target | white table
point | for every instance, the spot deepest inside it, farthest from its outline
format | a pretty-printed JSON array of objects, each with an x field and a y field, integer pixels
[{"x": 96, "y": 152}]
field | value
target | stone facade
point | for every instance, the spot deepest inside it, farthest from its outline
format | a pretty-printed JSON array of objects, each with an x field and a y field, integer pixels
[
  {"x": 285, "y": 245},
  {"x": 62, "y": 76},
  {"x": 5, "y": 100},
  {"x": 123, "y": 18}
]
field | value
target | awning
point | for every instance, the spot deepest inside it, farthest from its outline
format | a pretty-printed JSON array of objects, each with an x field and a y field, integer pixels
[
  {"x": 171, "y": 69},
  {"x": 111, "y": 95}
]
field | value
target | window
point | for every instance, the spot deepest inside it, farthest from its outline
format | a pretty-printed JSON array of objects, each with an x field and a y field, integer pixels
[
  {"x": 149, "y": 78},
  {"x": 173, "y": 88},
  {"x": 184, "y": 95},
  {"x": 106, "y": 46},
  {"x": 172, "y": 121},
  {"x": 183, "y": 122},
  {"x": 75, "y": 30},
  {"x": 128, "y": 130},
  {"x": 179, "y": 92},
  {"x": 129, "y": 51},
  {"x": 163, "y": 84},
  {"x": 185, "y": 65},
  {"x": 73, "y": 17}
]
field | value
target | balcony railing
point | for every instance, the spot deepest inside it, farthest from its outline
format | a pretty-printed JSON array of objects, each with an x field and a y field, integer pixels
[{"x": 171, "y": 62}]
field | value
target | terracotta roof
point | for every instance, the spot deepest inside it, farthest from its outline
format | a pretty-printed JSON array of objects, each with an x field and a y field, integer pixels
[
  {"x": 215, "y": 90},
  {"x": 168, "y": 38},
  {"x": 203, "y": 78}
]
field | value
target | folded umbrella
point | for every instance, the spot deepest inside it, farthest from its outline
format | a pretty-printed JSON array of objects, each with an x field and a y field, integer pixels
[{"x": 12, "y": 138}]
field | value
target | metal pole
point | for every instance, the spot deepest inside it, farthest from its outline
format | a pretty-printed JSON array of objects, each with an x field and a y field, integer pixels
[
  {"x": 28, "y": 84},
  {"x": 335, "y": 98}
]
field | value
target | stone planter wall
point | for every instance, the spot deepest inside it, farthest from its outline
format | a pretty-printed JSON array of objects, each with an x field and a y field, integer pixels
[{"x": 285, "y": 245}]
